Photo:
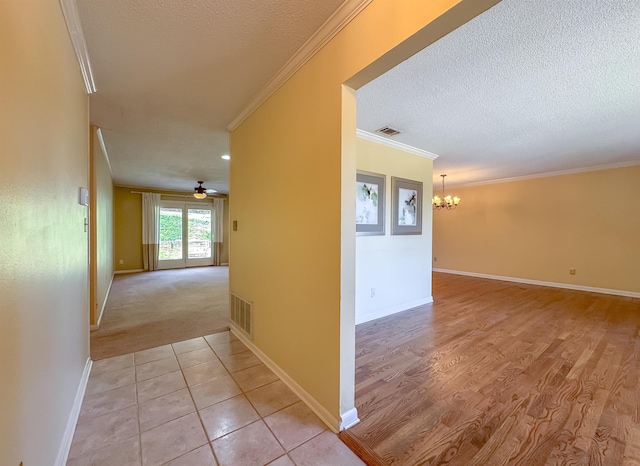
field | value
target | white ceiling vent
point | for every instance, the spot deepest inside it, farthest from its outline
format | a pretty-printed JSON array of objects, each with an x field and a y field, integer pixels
[{"x": 388, "y": 131}]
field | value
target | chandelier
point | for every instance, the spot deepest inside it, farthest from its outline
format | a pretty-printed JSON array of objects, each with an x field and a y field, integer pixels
[{"x": 445, "y": 202}]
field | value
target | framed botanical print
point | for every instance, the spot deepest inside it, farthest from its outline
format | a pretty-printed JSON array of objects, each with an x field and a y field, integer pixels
[
  {"x": 406, "y": 207},
  {"x": 370, "y": 202}
]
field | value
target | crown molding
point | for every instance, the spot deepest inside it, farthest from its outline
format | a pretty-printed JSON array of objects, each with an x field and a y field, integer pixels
[
  {"x": 394, "y": 144},
  {"x": 74, "y": 26},
  {"x": 573, "y": 171},
  {"x": 332, "y": 26}
]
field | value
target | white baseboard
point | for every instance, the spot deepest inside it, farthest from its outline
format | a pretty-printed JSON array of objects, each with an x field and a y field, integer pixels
[
  {"x": 118, "y": 272},
  {"x": 96, "y": 326},
  {"x": 225, "y": 263},
  {"x": 331, "y": 421},
  {"x": 65, "y": 446},
  {"x": 349, "y": 419},
  {"x": 566, "y": 286},
  {"x": 387, "y": 311}
]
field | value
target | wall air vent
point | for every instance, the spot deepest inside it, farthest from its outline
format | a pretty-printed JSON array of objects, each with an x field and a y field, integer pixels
[
  {"x": 388, "y": 131},
  {"x": 242, "y": 314}
]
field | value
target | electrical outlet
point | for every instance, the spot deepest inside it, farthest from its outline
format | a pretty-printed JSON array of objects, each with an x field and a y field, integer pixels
[
  {"x": 235, "y": 225},
  {"x": 572, "y": 271},
  {"x": 121, "y": 261},
  {"x": 435, "y": 259},
  {"x": 373, "y": 292}
]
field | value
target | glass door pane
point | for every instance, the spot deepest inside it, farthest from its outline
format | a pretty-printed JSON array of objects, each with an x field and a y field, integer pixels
[
  {"x": 170, "y": 234},
  {"x": 199, "y": 231}
]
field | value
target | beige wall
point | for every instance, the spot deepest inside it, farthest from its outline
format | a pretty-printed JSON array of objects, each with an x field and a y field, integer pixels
[
  {"x": 396, "y": 267},
  {"x": 101, "y": 226},
  {"x": 44, "y": 305},
  {"x": 538, "y": 229},
  {"x": 128, "y": 226},
  {"x": 292, "y": 184}
]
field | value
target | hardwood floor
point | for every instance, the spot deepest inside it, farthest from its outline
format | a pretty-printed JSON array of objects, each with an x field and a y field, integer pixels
[{"x": 499, "y": 373}]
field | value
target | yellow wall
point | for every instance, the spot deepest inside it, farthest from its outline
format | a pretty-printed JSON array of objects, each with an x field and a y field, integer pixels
[
  {"x": 293, "y": 252},
  {"x": 539, "y": 228},
  {"x": 127, "y": 229},
  {"x": 397, "y": 267},
  {"x": 224, "y": 257},
  {"x": 128, "y": 226},
  {"x": 44, "y": 304},
  {"x": 101, "y": 225}
]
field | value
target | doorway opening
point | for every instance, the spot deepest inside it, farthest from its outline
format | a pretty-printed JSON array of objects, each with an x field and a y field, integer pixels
[{"x": 185, "y": 235}]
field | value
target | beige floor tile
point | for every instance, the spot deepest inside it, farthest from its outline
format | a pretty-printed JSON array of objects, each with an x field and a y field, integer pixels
[
  {"x": 112, "y": 364},
  {"x": 325, "y": 449},
  {"x": 153, "y": 354},
  {"x": 271, "y": 397},
  {"x": 229, "y": 347},
  {"x": 199, "y": 457},
  {"x": 156, "y": 368},
  {"x": 227, "y": 416},
  {"x": 101, "y": 431},
  {"x": 125, "y": 453},
  {"x": 190, "y": 345},
  {"x": 158, "y": 386},
  {"x": 282, "y": 461},
  {"x": 97, "y": 404},
  {"x": 204, "y": 372},
  {"x": 193, "y": 358},
  {"x": 239, "y": 361},
  {"x": 294, "y": 425},
  {"x": 109, "y": 380},
  {"x": 254, "y": 377},
  {"x": 214, "y": 391},
  {"x": 165, "y": 408},
  {"x": 221, "y": 337},
  {"x": 251, "y": 445},
  {"x": 172, "y": 440}
]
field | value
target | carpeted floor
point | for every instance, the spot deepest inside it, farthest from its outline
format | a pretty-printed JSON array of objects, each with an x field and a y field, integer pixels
[{"x": 145, "y": 310}]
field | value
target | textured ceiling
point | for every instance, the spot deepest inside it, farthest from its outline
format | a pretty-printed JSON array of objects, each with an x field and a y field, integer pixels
[
  {"x": 172, "y": 74},
  {"x": 528, "y": 87}
]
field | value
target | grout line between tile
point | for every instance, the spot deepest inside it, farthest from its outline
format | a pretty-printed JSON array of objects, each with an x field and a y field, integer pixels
[{"x": 204, "y": 429}]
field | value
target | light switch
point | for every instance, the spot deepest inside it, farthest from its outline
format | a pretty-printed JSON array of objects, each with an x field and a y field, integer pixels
[{"x": 235, "y": 225}]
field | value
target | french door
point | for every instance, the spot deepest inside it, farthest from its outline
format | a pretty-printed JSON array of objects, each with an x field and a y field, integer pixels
[{"x": 185, "y": 235}]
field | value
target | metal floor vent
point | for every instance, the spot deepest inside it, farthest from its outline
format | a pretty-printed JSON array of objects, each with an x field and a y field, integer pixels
[
  {"x": 242, "y": 314},
  {"x": 388, "y": 130}
]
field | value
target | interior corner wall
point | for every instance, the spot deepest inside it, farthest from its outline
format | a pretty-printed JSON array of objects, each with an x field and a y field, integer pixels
[
  {"x": 44, "y": 309},
  {"x": 396, "y": 267},
  {"x": 537, "y": 229},
  {"x": 287, "y": 178},
  {"x": 127, "y": 229},
  {"x": 102, "y": 224}
]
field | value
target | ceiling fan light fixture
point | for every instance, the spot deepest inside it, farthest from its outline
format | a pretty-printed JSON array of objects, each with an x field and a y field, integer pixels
[{"x": 200, "y": 191}]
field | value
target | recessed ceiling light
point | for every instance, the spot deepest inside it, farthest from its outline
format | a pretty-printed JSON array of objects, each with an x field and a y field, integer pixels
[{"x": 226, "y": 157}]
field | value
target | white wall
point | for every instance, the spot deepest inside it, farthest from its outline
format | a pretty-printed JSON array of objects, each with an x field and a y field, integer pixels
[
  {"x": 398, "y": 267},
  {"x": 44, "y": 303}
]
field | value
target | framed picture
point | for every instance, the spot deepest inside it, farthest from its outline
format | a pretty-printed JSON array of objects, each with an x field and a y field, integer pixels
[
  {"x": 370, "y": 202},
  {"x": 406, "y": 207}
]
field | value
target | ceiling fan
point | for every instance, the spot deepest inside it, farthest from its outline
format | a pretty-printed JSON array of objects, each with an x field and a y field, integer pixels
[{"x": 201, "y": 192}]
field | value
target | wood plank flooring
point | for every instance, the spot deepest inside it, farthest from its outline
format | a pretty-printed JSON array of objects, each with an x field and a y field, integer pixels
[{"x": 499, "y": 373}]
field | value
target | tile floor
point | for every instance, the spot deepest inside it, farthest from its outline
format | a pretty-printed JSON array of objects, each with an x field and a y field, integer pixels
[{"x": 201, "y": 402}]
